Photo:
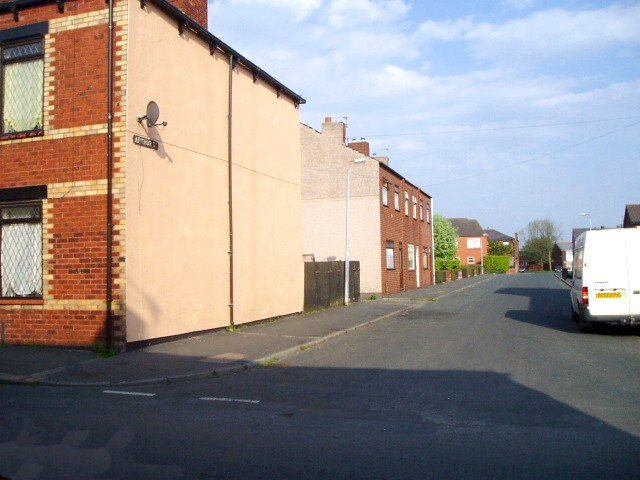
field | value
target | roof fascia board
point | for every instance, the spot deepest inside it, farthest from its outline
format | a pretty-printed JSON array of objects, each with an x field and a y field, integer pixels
[
  {"x": 214, "y": 42},
  {"x": 391, "y": 170}
]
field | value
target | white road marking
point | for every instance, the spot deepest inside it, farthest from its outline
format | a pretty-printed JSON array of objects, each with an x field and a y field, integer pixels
[
  {"x": 223, "y": 399},
  {"x": 121, "y": 392}
]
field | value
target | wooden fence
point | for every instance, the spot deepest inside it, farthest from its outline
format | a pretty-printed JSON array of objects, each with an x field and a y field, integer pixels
[{"x": 324, "y": 284}]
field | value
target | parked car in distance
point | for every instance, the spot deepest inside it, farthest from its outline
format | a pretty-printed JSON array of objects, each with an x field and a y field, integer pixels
[{"x": 606, "y": 278}]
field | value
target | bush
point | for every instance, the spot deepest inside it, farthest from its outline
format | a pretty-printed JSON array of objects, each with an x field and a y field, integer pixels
[
  {"x": 497, "y": 264},
  {"x": 450, "y": 264},
  {"x": 468, "y": 271}
]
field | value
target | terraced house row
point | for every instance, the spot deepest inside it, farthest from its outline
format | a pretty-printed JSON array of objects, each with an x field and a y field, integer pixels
[{"x": 150, "y": 177}]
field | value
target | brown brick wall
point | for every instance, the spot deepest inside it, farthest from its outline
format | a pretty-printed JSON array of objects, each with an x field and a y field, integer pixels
[
  {"x": 80, "y": 80},
  {"x": 404, "y": 230},
  {"x": 71, "y": 158},
  {"x": 60, "y": 328},
  {"x": 79, "y": 248},
  {"x": 50, "y": 12},
  {"x": 464, "y": 253},
  {"x": 41, "y": 162},
  {"x": 196, "y": 9}
]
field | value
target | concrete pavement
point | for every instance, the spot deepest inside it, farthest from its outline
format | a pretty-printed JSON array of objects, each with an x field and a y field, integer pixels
[{"x": 211, "y": 354}]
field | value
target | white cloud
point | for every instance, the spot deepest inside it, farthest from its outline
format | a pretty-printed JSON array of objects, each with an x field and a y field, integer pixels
[
  {"x": 518, "y": 4},
  {"x": 391, "y": 69},
  {"x": 446, "y": 30},
  {"x": 301, "y": 8},
  {"x": 343, "y": 13},
  {"x": 557, "y": 33}
]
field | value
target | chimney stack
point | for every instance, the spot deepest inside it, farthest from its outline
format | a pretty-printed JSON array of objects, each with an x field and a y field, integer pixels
[
  {"x": 196, "y": 9},
  {"x": 336, "y": 130},
  {"x": 362, "y": 146}
]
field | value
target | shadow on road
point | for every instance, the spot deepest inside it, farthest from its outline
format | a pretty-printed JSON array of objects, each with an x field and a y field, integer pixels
[
  {"x": 550, "y": 308},
  {"x": 319, "y": 423}
]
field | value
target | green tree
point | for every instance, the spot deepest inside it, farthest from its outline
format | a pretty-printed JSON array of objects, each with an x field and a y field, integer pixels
[
  {"x": 499, "y": 248},
  {"x": 541, "y": 235},
  {"x": 445, "y": 238}
]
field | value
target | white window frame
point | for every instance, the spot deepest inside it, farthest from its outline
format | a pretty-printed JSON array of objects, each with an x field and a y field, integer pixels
[
  {"x": 391, "y": 257},
  {"x": 474, "y": 242},
  {"x": 411, "y": 252},
  {"x": 471, "y": 260},
  {"x": 415, "y": 207},
  {"x": 385, "y": 194},
  {"x": 406, "y": 203},
  {"x": 396, "y": 198}
]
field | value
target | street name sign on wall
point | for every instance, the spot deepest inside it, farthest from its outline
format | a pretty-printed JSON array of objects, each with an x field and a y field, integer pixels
[{"x": 145, "y": 142}]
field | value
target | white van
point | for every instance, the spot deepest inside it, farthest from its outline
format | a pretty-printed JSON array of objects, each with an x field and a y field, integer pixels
[{"x": 606, "y": 277}]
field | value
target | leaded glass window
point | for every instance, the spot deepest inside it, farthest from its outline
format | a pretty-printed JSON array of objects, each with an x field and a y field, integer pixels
[
  {"x": 21, "y": 250},
  {"x": 22, "y": 86}
]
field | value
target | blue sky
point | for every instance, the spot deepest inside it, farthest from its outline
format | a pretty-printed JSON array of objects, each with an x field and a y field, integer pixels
[{"x": 504, "y": 111}]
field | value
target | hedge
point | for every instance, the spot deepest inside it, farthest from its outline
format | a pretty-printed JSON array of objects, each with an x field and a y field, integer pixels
[
  {"x": 469, "y": 271},
  {"x": 497, "y": 263},
  {"x": 450, "y": 264}
]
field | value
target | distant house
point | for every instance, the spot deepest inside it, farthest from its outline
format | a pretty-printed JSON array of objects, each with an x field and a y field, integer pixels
[
  {"x": 495, "y": 236},
  {"x": 390, "y": 227},
  {"x": 562, "y": 255},
  {"x": 473, "y": 243},
  {"x": 632, "y": 216}
]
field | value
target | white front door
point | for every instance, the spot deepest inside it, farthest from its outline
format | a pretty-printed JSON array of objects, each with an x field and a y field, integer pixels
[{"x": 416, "y": 252}]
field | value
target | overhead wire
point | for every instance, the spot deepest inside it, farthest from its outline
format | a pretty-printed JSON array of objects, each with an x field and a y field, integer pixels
[
  {"x": 537, "y": 157},
  {"x": 498, "y": 129}
]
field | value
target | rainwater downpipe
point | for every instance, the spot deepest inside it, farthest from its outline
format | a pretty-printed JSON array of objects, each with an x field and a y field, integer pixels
[
  {"x": 109, "y": 293},
  {"x": 230, "y": 188}
]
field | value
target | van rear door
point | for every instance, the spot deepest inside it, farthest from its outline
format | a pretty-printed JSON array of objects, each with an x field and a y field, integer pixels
[
  {"x": 633, "y": 268},
  {"x": 605, "y": 267}
]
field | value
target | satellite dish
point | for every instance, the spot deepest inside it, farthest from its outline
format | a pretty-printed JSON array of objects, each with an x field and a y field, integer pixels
[{"x": 153, "y": 113}]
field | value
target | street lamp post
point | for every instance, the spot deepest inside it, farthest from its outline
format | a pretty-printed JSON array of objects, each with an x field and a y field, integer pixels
[
  {"x": 347, "y": 233},
  {"x": 588, "y": 215}
]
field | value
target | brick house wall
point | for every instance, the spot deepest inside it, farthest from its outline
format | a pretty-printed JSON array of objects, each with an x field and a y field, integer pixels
[
  {"x": 399, "y": 230},
  {"x": 326, "y": 159},
  {"x": 326, "y": 162},
  {"x": 465, "y": 252},
  {"x": 65, "y": 162},
  {"x": 67, "y": 156}
]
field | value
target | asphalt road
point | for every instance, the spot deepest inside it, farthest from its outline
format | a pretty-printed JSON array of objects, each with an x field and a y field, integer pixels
[{"x": 491, "y": 382}]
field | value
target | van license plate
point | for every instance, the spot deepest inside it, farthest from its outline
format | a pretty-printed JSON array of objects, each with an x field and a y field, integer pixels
[{"x": 609, "y": 295}]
